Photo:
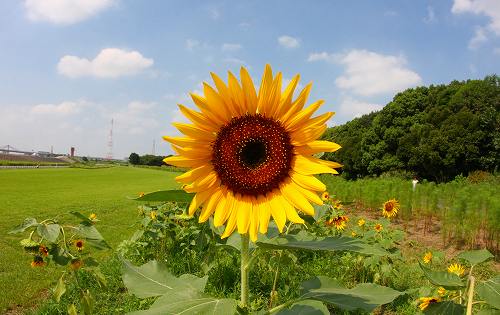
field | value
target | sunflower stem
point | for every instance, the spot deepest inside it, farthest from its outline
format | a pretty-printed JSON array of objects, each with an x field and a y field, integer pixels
[
  {"x": 244, "y": 270},
  {"x": 470, "y": 298}
]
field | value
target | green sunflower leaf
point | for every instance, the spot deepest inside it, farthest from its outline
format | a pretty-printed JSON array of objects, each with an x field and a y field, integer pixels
[
  {"x": 365, "y": 296},
  {"x": 307, "y": 307},
  {"x": 489, "y": 291},
  {"x": 447, "y": 307},
  {"x": 201, "y": 305},
  {"x": 475, "y": 257},
  {"x": 442, "y": 278},
  {"x": 153, "y": 279},
  {"x": 50, "y": 232},
  {"x": 166, "y": 196},
  {"x": 28, "y": 222},
  {"x": 341, "y": 243},
  {"x": 60, "y": 289}
]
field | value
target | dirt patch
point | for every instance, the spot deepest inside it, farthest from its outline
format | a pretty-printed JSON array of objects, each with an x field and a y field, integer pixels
[{"x": 24, "y": 309}]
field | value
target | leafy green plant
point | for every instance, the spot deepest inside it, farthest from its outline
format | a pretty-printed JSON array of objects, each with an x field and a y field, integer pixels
[{"x": 66, "y": 245}]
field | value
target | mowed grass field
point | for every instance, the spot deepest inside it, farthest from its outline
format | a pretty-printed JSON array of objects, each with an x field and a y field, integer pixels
[{"x": 44, "y": 193}]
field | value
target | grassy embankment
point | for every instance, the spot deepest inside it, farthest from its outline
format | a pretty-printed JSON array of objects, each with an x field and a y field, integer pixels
[{"x": 43, "y": 193}]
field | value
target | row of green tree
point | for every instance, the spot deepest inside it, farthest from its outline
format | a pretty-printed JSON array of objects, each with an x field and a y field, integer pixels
[
  {"x": 435, "y": 132},
  {"x": 148, "y": 159}
]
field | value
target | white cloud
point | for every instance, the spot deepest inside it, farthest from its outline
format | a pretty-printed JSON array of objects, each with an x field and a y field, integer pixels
[
  {"x": 231, "y": 47},
  {"x": 288, "y": 41},
  {"x": 489, "y": 8},
  {"x": 431, "y": 16},
  {"x": 350, "y": 107},
  {"x": 109, "y": 63},
  {"x": 479, "y": 38},
  {"x": 64, "y": 11},
  {"x": 322, "y": 56},
  {"x": 369, "y": 73},
  {"x": 64, "y": 108}
]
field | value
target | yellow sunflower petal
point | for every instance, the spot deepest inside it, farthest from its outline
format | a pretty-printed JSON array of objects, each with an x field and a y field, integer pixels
[
  {"x": 224, "y": 93},
  {"x": 223, "y": 209},
  {"x": 193, "y": 153},
  {"x": 248, "y": 91},
  {"x": 203, "y": 183},
  {"x": 302, "y": 117},
  {"x": 264, "y": 214},
  {"x": 210, "y": 206},
  {"x": 199, "y": 199},
  {"x": 244, "y": 207},
  {"x": 298, "y": 104},
  {"x": 239, "y": 102},
  {"x": 216, "y": 102},
  {"x": 194, "y": 174},
  {"x": 181, "y": 161},
  {"x": 195, "y": 132},
  {"x": 327, "y": 163},
  {"x": 265, "y": 90},
  {"x": 274, "y": 95},
  {"x": 207, "y": 110},
  {"x": 231, "y": 223},
  {"x": 316, "y": 121},
  {"x": 292, "y": 195},
  {"x": 286, "y": 97},
  {"x": 291, "y": 213},
  {"x": 307, "y": 181},
  {"x": 198, "y": 119},
  {"x": 254, "y": 221},
  {"x": 187, "y": 142},
  {"x": 304, "y": 136},
  {"x": 317, "y": 147},
  {"x": 308, "y": 166},
  {"x": 311, "y": 196},
  {"x": 277, "y": 210}
]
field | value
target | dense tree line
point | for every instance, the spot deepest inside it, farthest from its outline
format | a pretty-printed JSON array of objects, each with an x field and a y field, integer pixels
[
  {"x": 435, "y": 132},
  {"x": 148, "y": 159}
]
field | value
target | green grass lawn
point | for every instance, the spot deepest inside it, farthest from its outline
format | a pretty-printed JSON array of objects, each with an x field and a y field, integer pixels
[{"x": 43, "y": 193}]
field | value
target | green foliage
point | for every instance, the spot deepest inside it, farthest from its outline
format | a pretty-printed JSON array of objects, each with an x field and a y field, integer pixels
[
  {"x": 134, "y": 158},
  {"x": 435, "y": 132}
]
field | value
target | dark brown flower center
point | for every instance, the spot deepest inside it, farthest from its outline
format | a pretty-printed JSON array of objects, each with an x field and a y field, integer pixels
[{"x": 252, "y": 155}]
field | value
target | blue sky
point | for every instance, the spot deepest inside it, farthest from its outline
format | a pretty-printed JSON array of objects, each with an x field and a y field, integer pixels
[{"x": 69, "y": 66}]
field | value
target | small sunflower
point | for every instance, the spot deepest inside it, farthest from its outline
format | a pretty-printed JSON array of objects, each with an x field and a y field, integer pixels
[
  {"x": 153, "y": 215},
  {"x": 44, "y": 251},
  {"x": 141, "y": 194},
  {"x": 338, "y": 205},
  {"x": 361, "y": 222},
  {"x": 426, "y": 301},
  {"x": 76, "y": 264},
  {"x": 353, "y": 234},
  {"x": 378, "y": 227},
  {"x": 325, "y": 196},
  {"x": 339, "y": 222},
  {"x": 251, "y": 153},
  {"x": 427, "y": 257},
  {"x": 93, "y": 217},
  {"x": 457, "y": 269},
  {"x": 390, "y": 208},
  {"x": 441, "y": 291},
  {"x": 37, "y": 261},
  {"x": 79, "y": 245}
]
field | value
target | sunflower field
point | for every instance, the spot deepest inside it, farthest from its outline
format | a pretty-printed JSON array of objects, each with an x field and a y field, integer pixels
[{"x": 261, "y": 225}]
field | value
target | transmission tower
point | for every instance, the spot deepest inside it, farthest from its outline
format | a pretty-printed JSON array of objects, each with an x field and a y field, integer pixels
[
  {"x": 109, "y": 156},
  {"x": 154, "y": 148}
]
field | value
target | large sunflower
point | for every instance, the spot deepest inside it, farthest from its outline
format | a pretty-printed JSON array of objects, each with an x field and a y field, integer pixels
[{"x": 250, "y": 153}]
